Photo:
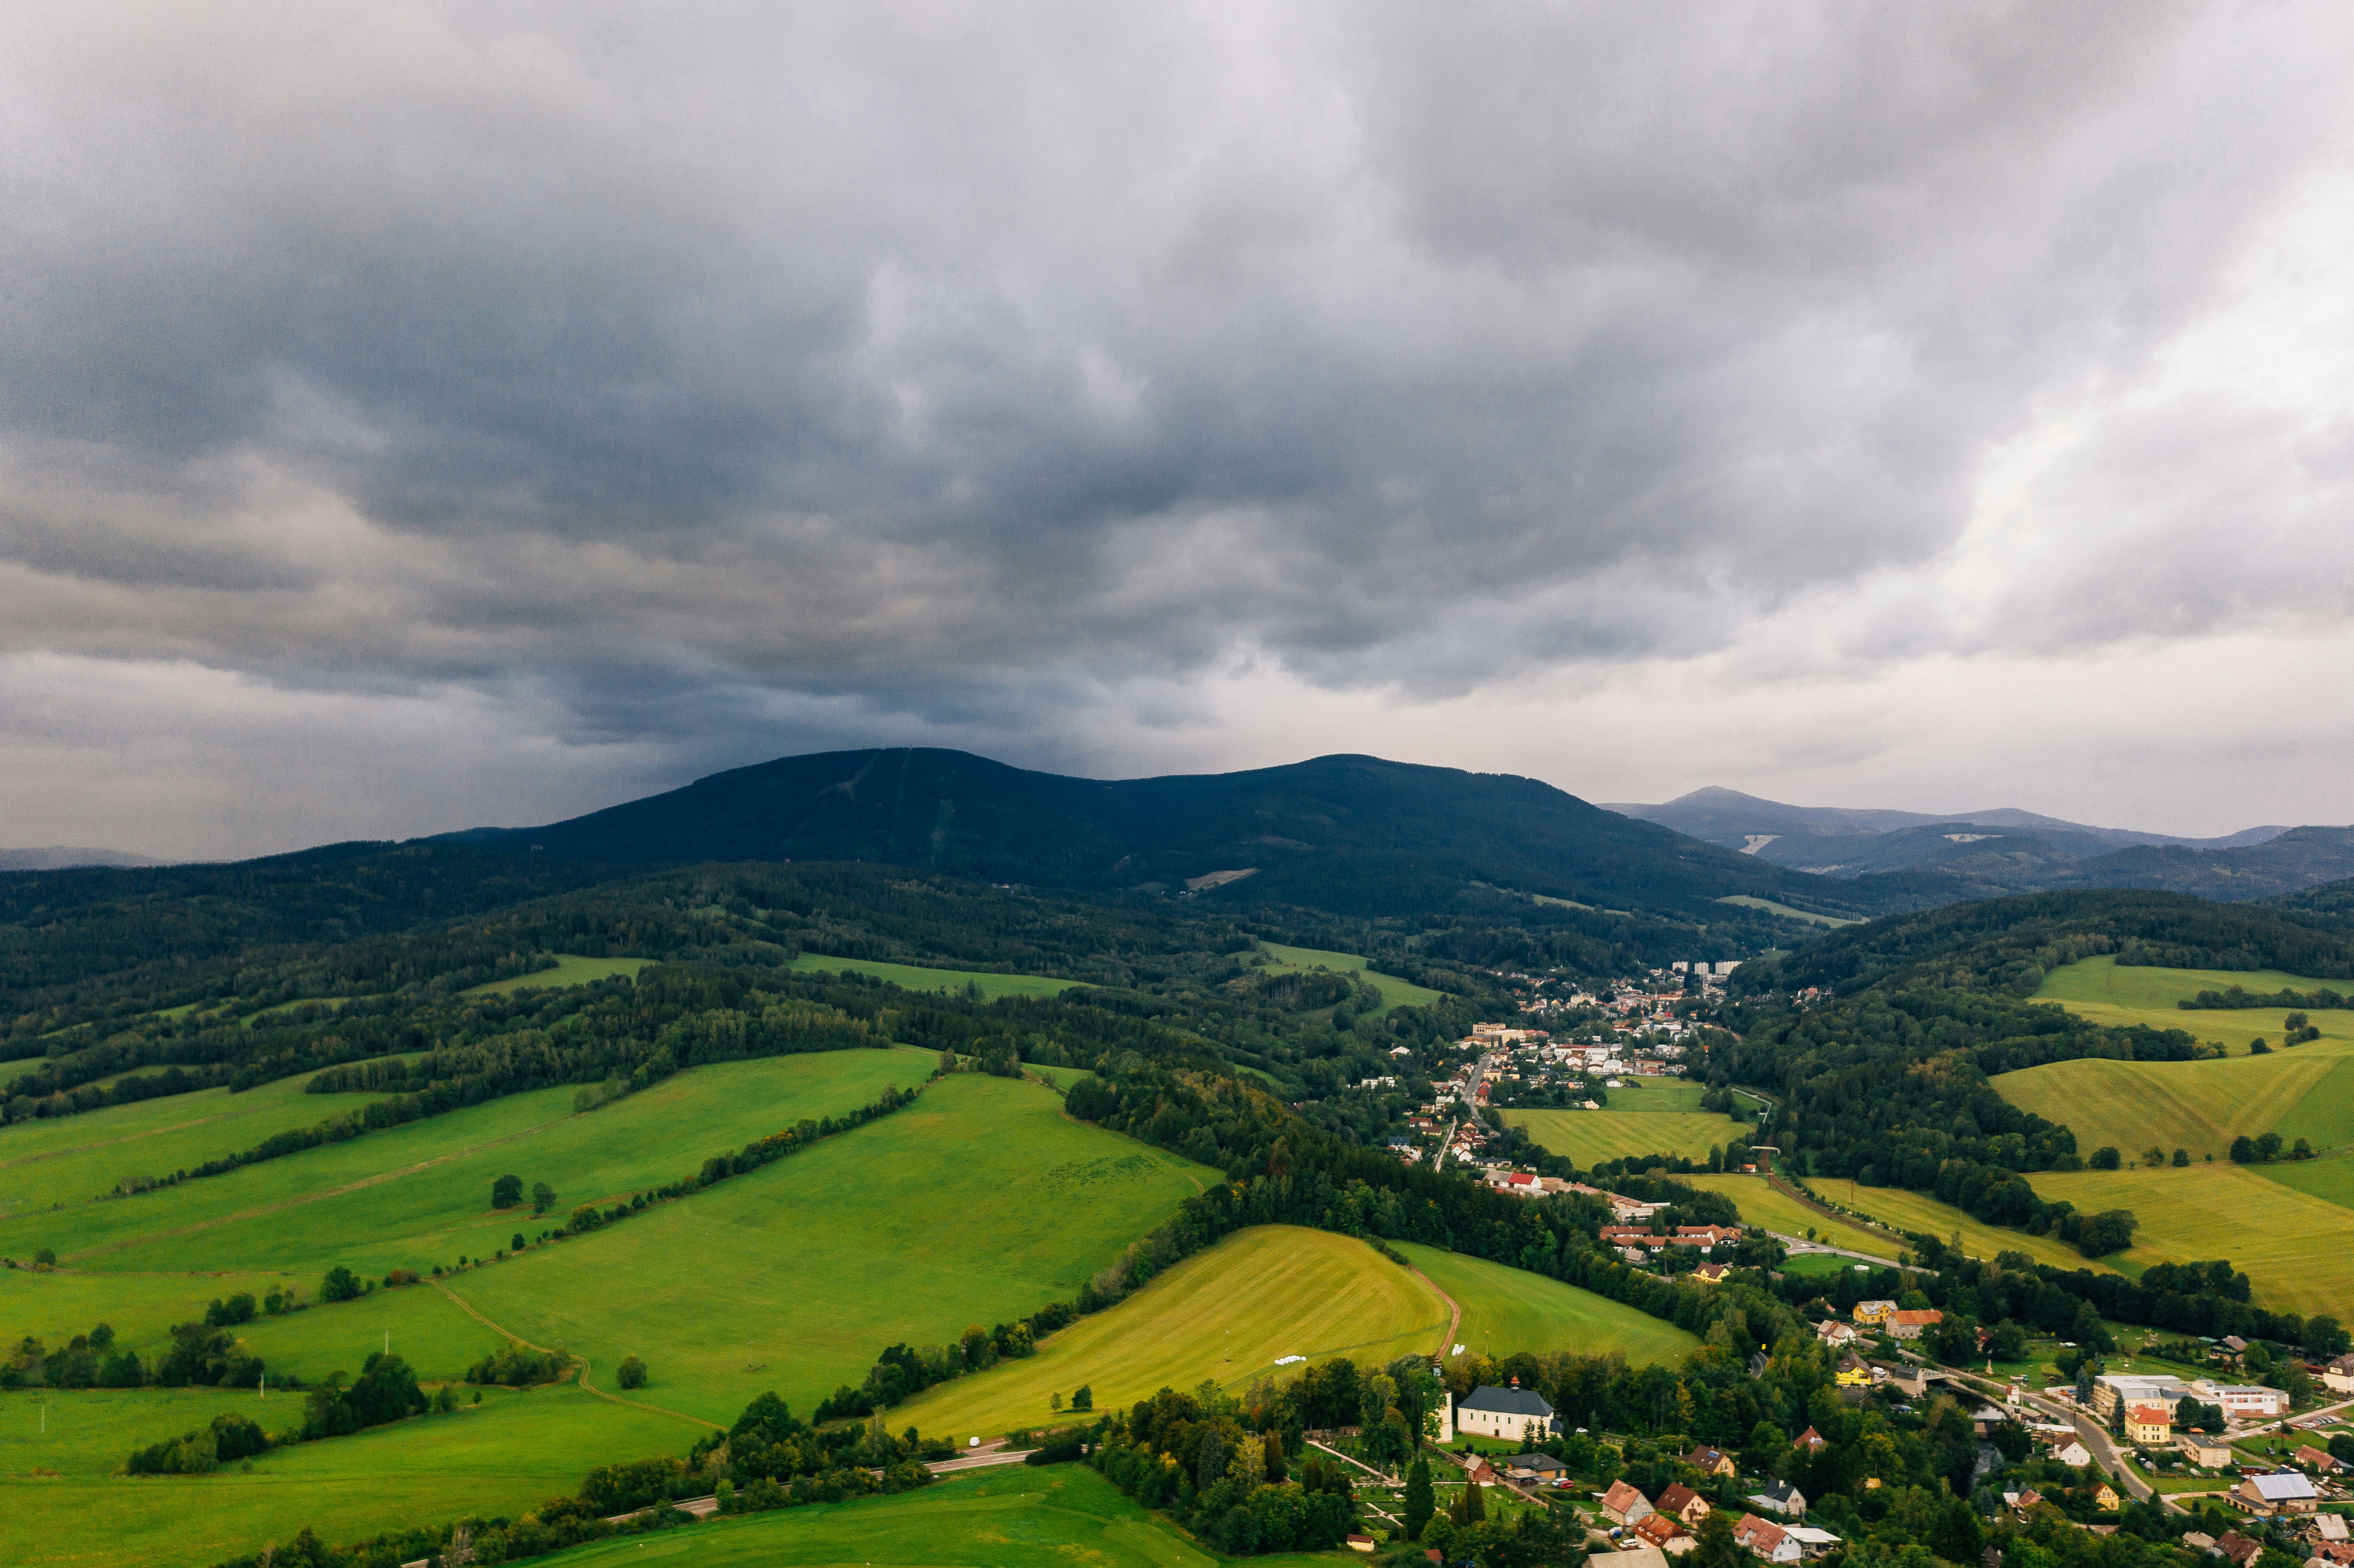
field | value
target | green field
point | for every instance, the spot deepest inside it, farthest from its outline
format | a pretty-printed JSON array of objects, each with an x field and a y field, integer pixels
[
  {"x": 2305, "y": 1092},
  {"x": 1012, "y": 1518},
  {"x": 2329, "y": 1178},
  {"x": 71, "y": 1160},
  {"x": 1396, "y": 993},
  {"x": 1762, "y": 1204},
  {"x": 570, "y": 968},
  {"x": 513, "y": 1451},
  {"x": 2296, "y": 1247},
  {"x": 908, "y": 977},
  {"x": 1508, "y": 1310},
  {"x": 981, "y": 1202},
  {"x": 1901, "y": 1210},
  {"x": 1660, "y": 1118},
  {"x": 1767, "y": 905},
  {"x": 1222, "y": 1315}
]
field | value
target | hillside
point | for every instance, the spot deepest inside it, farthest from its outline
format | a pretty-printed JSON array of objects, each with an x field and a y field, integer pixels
[{"x": 1350, "y": 833}]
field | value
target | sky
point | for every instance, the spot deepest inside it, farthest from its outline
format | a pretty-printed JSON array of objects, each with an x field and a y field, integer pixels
[{"x": 416, "y": 416}]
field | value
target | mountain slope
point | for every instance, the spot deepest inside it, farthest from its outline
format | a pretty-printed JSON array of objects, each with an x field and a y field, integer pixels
[{"x": 1339, "y": 832}]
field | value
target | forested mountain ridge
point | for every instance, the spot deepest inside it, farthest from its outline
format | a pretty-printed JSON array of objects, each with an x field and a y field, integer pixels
[{"x": 1353, "y": 834}]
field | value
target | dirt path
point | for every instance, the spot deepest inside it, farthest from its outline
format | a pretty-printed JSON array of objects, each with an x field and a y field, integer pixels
[
  {"x": 1454, "y": 1312},
  {"x": 504, "y": 1331},
  {"x": 283, "y": 1204}
]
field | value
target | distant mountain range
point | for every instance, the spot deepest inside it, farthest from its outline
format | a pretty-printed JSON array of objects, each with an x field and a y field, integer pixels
[
  {"x": 62, "y": 857},
  {"x": 1344, "y": 833},
  {"x": 1980, "y": 854}
]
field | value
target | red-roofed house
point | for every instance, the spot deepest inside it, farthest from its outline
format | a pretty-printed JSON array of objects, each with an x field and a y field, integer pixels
[{"x": 1768, "y": 1541}]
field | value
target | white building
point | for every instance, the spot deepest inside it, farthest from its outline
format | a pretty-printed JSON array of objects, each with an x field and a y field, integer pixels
[
  {"x": 2241, "y": 1401},
  {"x": 1514, "y": 1414}
]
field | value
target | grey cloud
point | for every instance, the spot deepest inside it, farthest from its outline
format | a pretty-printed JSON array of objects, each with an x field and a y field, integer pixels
[{"x": 823, "y": 373}]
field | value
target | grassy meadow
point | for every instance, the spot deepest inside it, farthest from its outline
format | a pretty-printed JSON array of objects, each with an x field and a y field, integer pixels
[
  {"x": 1221, "y": 1316},
  {"x": 1507, "y": 1310},
  {"x": 72, "y": 1159},
  {"x": 570, "y": 969},
  {"x": 910, "y": 977},
  {"x": 1661, "y": 1117},
  {"x": 2307, "y": 1091},
  {"x": 1396, "y": 993},
  {"x": 981, "y": 1203},
  {"x": 2296, "y": 1247},
  {"x": 1763, "y": 1205},
  {"x": 1010, "y": 1517},
  {"x": 64, "y": 1505},
  {"x": 1901, "y": 1210},
  {"x": 1829, "y": 922}
]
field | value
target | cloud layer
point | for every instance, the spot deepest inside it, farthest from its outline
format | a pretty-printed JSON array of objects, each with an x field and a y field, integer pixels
[{"x": 503, "y": 409}]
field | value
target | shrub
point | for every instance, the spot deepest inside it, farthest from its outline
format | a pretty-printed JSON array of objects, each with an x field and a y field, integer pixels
[
  {"x": 340, "y": 1284},
  {"x": 632, "y": 1373},
  {"x": 506, "y": 1191}
]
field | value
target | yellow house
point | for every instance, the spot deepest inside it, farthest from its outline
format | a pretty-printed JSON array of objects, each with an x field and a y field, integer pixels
[
  {"x": 1874, "y": 1311},
  {"x": 2148, "y": 1424},
  {"x": 1853, "y": 1372},
  {"x": 2106, "y": 1500}
]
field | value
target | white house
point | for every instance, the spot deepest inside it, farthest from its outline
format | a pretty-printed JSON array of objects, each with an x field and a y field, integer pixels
[{"x": 1516, "y": 1414}]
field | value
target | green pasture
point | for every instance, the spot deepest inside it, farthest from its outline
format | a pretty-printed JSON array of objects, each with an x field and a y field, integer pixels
[
  {"x": 1011, "y": 1517},
  {"x": 1786, "y": 912},
  {"x": 1507, "y": 1310},
  {"x": 909, "y": 977},
  {"x": 2296, "y": 1247},
  {"x": 11, "y": 1071},
  {"x": 512, "y": 1451},
  {"x": 1396, "y": 993},
  {"x": 2307, "y": 1091},
  {"x": 418, "y": 1196},
  {"x": 1224, "y": 1314},
  {"x": 570, "y": 968},
  {"x": 981, "y": 1203},
  {"x": 1819, "y": 1266},
  {"x": 71, "y": 1160},
  {"x": 1660, "y": 1118},
  {"x": 1761, "y": 1203},
  {"x": 2329, "y": 1178},
  {"x": 1902, "y": 1210}
]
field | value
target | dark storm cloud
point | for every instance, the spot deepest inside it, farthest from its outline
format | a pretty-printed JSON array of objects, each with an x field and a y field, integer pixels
[{"x": 834, "y": 371}]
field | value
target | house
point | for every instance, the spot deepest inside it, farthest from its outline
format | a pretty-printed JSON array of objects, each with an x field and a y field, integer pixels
[
  {"x": 1873, "y": 1312},
  {"x": 2282, "y": 1491},
  {"x": 2198, "y": 1540},
  {"x": 2329, "y": 1528},
  {"x": 2147, "y": 1425},
  {"x": 2238, "y": 1548},
  {"x": 1535, "y": 1468},
  {"x": 1706, "y": 1236},
  {"x": 2073, "y": 1455},
  {"x": 1834, "y": 1334},
  {"x": 2309, "y": 1457},
  {"x": 1361, "y": 1543},
  {"x": 1516, "y": 1414},
  {"x": 1709, "y": 1462},
  {"x": 1480, "y": 1473},
  {"x": 1811, "y": 1542},
  {"x": 1622, "y": 1504},
  {"x": 1812, "y": 1441},
  {"x": 1687, "y": 1505},
  {"x": 2023, "y": 1502},
  {"x": 1913, "y": 1325},
  {"x": 2232, "y": 1348},
  {"x": 1853, "y": 1372},
  {"x": 1770, "y": 1543},
  {"x": 2105, "y": 1499},
  {"x": 1710, "y": 1274},
  {"x": 2338, "y": 1375},
  {"x": 2242, "y": 1401},
  {"x": 1909, "y": 1381},
  {"x": 1781, "y": 1498},
  {"x": 1663, "y": 1531},
  {"x": 2199, "y": 1451}
]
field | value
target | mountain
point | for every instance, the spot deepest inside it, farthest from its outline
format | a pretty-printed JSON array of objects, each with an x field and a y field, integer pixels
[
  {"x": 62, "y": 857},
  {"x": 1346, "y": 834},
  {"x": 1835, "y": 839}
]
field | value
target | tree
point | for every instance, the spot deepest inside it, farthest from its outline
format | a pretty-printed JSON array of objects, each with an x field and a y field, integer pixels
[
  {"x": 2243, "y": 1150},
  {"x": 517, "y": 1244},
  {"x": 543, "y": 1197},
  {"x": 2268, "y": 1148},
  {"x": 2110, "y": 1231},
  {"x": 340, "y": 1284},
  {"x": 1471, "y": 1507},
  {"x": 1083, "y": 1398},
  {"x": 1713, "y": 1543},
  {"x": 2153, "y": 1157},
  {"x": 506, "y": 1191},
  {"x": 2181, "y": 1157},
  {"x": 2323, "y": 1335},
  {"x": 1419, "y": 1501},
  {"x": 632, "y": 1373},
  {"x": 2105, "y": 1158}
]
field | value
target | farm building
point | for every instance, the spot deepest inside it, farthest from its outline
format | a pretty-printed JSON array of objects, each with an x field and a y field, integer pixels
[
  {"x": 2282, "y": 1491},
  {"x": 1516, "y": 1414}
]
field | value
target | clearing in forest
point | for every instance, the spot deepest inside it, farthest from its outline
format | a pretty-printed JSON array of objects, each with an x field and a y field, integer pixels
[
  {"x": 1396, "y": 993},
  {"x": 910, "y": 977}
]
